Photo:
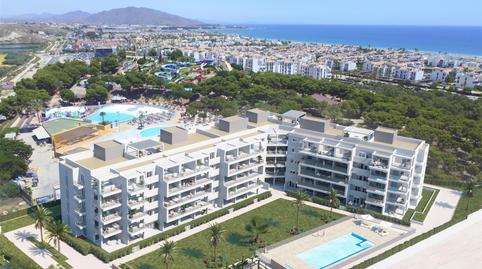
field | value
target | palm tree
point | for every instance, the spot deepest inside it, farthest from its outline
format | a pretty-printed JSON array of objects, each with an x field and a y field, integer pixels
[
  {"x": 215, "y": 238},
  {"x": 300, "y": 198},
  {"x": 57, "y": 230},
  {"x": 167, "y": 249},
  {"x": 257, "y": 227},
  {"x": 42, "y": 217},
  {"x": 334, "y": 201},
  {"x": 469, "y": 191},
  {"x": 102, "y": 115}
]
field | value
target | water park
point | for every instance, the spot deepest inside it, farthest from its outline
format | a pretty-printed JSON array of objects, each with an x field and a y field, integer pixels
[{"x": 182, "y": 72}]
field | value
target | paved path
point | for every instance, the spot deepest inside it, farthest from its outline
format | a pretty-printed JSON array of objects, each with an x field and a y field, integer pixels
[
  {"x": 43, "y": 258},
  {"x": 459, "y": 246}
]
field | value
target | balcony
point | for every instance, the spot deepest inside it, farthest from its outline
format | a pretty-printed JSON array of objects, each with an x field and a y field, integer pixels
[
  {"x": 243, "y": 155},
  {"x": 243, "y": 190},
  {"x": 241, "y": 180},
  {"x": 316, "y": 164},
  {"x": 277, "y": 141},
  {"x": 397, "y": 200},
  {"x": 78, "y": 198},
  {"x": 187, "y": 211},
  {"x": 135, "y": 204},
  {"x": 80, "y": 225},
  {"x": 134, "y": 189},
  {"x": 379, "y": 165},
  {"x": 318, "y": 176},
  {"x": 137, "y": 217},
  {"x": 136, "y": 230},
  {"x": 376, "y": 190},
  {"x": 243, "y": 168},
  {"x": 184, "y": 200},
  {"x": 404, "y": 165},
  {"x": 185, "y": 173},
  {"x": 80, "y": 211},
  {"x": 111, "y": 204},
  {"x": 110, "y": 190},
  {"x": 374, "y": 201},
  {"x": 111, "y": 218},
  {"x": 111, "y": 231},
  {"x": 327, "y": 153},
  {"x": 189, "y": 186},
  {"x": 276, "y": 152},
  {"x": 398, "y": 189},
  {"x": 377, "y": 178},
  {"x": 400, "y": 178}
]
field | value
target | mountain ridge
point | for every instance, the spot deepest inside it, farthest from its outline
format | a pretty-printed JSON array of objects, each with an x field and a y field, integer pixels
[{"x": 125, "y": 16}]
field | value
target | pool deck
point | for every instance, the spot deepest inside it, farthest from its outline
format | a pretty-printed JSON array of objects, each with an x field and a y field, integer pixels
[{"x": 285, "y": 254}]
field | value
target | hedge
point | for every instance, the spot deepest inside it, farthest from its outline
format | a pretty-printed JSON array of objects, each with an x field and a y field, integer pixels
[
  {"x": 421, "y": 215},
  {"x": 27, "y": 211},
  {"x": 85, "y": 247},
  {"x": 16, "y": 258},
  {"x": 356, "y": 210}
]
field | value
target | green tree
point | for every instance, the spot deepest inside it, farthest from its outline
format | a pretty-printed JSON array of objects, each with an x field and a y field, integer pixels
[
  {"x": 257, "y": 227},
  {"x": 42, "y": 218},
  {"x": 215, "y": 238},
  {"x": 121, "y": 54},
  {"x": 167, "y": 251},
  {"x": 67, "y": 95},
  {"x": 57, "y": 230},
  {"x": 334, "y": 202},
  {"x": 97, "y": 93},
  {"x": 469, "y": 191},
  {"x": 110, "y": 64},
  {"x": 300, "y": 198},
  {"x": 152, "y": 52},
  {"x": 102, "y": 115}
]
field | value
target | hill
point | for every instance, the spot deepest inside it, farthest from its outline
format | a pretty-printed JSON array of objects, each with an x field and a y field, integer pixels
[{"x": 127, "y": 15}]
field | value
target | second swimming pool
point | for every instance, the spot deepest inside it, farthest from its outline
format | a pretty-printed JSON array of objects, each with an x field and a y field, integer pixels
[{"x": 335, "y": 250}]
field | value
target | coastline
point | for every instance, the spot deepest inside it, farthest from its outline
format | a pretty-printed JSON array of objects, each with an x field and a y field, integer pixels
[{"x": 238, "y": 30}]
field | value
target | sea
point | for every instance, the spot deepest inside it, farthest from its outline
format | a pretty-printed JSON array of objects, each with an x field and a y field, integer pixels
[{"x": 459, "y": 40}]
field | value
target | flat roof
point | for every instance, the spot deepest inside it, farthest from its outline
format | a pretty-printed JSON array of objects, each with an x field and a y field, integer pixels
[
  {"x": 95, "y": 163},
  {"x": 109, "y": 144},
  {"x": 387, "y": 130},
  {"x": 294, "y": 114},
  {"x": 234, "y": 119},
  {"x": 174, "y": 129},
  {"x": 145, "y": 144},
  {"x": 191, "y": 139}
]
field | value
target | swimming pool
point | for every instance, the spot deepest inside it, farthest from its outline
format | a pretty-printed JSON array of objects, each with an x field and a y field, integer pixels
[
  {"x": 335, "y": 250},
  {"x": 122, "y": 113},
  {"x": 153, "y": 131}
]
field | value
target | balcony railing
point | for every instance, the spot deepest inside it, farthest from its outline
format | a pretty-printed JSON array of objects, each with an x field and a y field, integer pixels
[
  {"x": 136, "y": 203},
  {"x": 179, "y": 201},
  {"x": 188, "y": 210},
  {"x": 112, "y": 230},
  {"x": 135, "y": 188},
  {"x": 242, "y": 167},
  {"x": 111, "y": 218},
  {"x": 188, "y": 186},
  {"x": 110, "y": 190},
  {"x": 137, "y": 216},
  {"x": 185, "y": 173},
  {"x": 240, "y": 180},
  {"x": 370, "y": 200},
  {"x": 241, "y": 155},
  {"x": 107, "y": 205},
  {"x": 317, "y": 175},
  {"x": 243, "y": 190}
]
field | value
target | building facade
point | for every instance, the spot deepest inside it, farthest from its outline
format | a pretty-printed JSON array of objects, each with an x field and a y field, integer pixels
[{"x": 119, "y": 192}]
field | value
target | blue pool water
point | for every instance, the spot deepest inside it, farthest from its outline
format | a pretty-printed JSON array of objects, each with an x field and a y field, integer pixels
[
  {"x": 110, "y": 117},
  {"x": 153, "y": 131},
  {"x": 334, "y": 251}
]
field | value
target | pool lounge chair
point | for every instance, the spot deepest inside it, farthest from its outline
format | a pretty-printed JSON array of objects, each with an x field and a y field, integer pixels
[
  {"x": 382, "y": 232},
  {"x": 368, "y": 225}
]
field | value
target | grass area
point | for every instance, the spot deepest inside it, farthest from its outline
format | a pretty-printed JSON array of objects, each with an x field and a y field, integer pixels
[
  {"x": 2, "y": 58},
  {"x": 468, "y": 205},
  {"x": 422, "y": 209},
  {"x": 56, "y": 255},
  {"x": 15, "y": 257},
  {"x": 25, "y": 220},
  {"x": 192, "y": 251},
  {"x": 408, "y": 215}
]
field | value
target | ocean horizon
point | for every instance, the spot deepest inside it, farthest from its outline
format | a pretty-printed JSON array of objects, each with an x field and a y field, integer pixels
[{"x": 457, "y": 40}]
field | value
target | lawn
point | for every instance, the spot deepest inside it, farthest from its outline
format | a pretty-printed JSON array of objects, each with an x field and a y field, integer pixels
[
  {"x": 2, "y": 58},
  {"x": 25, "y": 220},
  {"x": 192, "y": 251},
  {"x": 428, "y": 198}
]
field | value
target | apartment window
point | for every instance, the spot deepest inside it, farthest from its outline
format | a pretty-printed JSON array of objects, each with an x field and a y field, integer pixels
[
  {"x": 149, "y": 174},
  {"x": 96, "y": 237},
  {"x": 96, "y": 223},
  {"x": 211, "y": 156}
]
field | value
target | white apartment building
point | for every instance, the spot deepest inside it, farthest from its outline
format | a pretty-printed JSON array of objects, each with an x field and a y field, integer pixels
[
  {"x": 408, "y": 74},
  {"x": 438, "y": 75},
  {"x": 315, "y": 71},
  {"x": 464, "y": 80},
  {"x": 346, "y": 66},
  {"x": 120, "y": 192}
]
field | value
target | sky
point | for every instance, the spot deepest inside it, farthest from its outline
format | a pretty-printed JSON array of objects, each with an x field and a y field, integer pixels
[{"x": 348, "y": 12}]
